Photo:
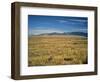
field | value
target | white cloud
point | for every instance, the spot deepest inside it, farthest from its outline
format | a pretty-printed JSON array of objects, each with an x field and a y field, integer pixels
[
  {"x": 73, "y": 21},
  {"x": 61, "y": 21},
  {"x": 77, "y": 20}
]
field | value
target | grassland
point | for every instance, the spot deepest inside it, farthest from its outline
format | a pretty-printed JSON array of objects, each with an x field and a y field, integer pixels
[{"x": 56, "y": 50}]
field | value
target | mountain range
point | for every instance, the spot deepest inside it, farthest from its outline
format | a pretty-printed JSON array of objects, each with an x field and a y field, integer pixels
[{"x": 67, "y": 33}]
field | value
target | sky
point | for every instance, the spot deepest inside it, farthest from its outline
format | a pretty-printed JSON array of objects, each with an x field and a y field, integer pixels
[{"x": 39, "y": 24}]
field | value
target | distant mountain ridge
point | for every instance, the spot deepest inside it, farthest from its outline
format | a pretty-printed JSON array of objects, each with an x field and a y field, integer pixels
[{"x": 67, "y": 33}]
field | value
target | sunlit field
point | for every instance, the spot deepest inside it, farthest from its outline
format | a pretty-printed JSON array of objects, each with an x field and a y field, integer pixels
[{"x": 57, "y": 50}]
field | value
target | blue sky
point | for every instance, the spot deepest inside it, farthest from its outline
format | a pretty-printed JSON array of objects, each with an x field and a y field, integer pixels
[{"x": 38, "y": 24}]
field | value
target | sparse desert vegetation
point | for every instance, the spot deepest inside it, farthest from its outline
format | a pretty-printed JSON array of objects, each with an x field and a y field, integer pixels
[{"x": 57, "y": 50}]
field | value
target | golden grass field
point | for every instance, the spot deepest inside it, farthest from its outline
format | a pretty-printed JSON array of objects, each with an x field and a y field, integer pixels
[{"x": 57, "y": 50}]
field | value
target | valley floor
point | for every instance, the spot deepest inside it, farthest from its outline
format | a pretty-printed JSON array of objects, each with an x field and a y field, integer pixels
[{"x": 57, "y": 50}]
